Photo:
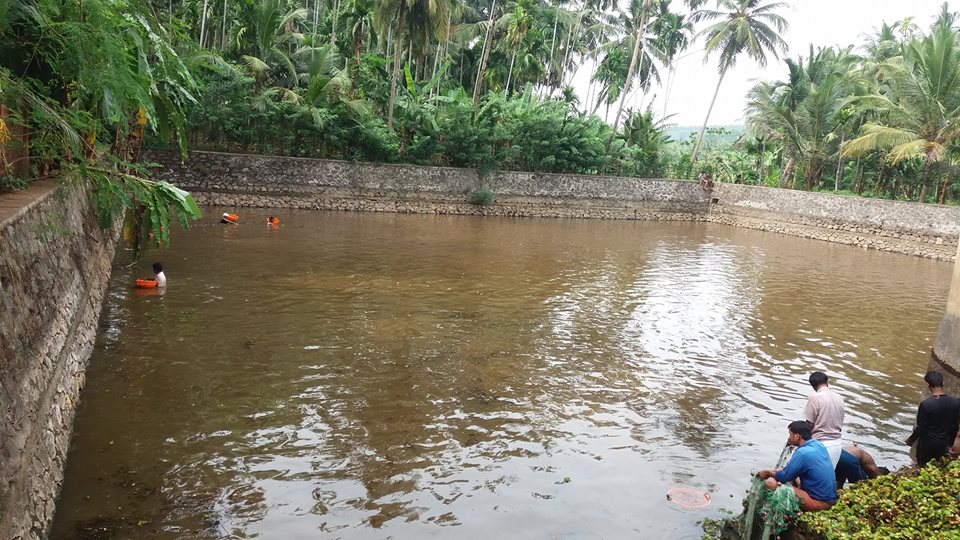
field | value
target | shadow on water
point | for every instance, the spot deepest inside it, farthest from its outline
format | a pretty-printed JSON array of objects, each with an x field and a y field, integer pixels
[{"x": 371, "y": 376}]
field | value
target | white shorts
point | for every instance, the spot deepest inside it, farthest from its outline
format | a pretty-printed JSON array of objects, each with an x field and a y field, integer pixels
[{"x": 834, "y": 447}]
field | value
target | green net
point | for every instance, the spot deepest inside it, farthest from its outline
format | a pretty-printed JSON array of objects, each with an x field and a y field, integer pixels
[{"x": 781, "y": 508}]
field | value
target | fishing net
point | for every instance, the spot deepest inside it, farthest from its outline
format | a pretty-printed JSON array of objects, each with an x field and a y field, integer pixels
[{"x": 781, "y": 508}]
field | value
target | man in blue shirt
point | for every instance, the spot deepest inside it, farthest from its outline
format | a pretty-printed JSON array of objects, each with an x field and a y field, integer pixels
[{"x": 811, "y": 465}]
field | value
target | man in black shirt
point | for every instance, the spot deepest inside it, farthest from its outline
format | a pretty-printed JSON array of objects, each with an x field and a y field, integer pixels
[{"x": 938, "y": 419}]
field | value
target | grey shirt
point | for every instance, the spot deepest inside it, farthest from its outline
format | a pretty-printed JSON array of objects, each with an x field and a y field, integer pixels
[{"x": 825, "y": 411}]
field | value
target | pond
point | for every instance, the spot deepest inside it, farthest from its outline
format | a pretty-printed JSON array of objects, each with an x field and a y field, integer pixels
[{"x": 378, "y": 376}]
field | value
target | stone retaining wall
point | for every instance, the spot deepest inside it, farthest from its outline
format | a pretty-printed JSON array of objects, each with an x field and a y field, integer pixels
[
  {"x": 925, "y": 230},
  {"x": 54, "y": 268},
  {"x": 268, "y": 181}
]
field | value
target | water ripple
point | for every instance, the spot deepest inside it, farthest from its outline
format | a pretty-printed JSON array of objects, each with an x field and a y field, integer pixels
[{"x": 373, "y": 376}]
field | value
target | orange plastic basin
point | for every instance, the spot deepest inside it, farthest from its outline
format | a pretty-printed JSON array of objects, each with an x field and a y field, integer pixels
[{"x": 146, "y": 283}]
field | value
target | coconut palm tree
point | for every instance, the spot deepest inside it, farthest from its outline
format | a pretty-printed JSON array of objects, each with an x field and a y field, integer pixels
[
  {"x": 421, "y": 22},
  {"x": 640, "y": 29},
  {"x": 919, "y": 108},
  {"x": 744, "y": 26},
  {"x": 674, "y": 33},
  {"x": 358, "y": 17},
  {"x": 266, "y": 36},
  {"x": 807, "y": 113},
  {"x": 518, "y": 21},
  {"x": 484, "y": 56}
]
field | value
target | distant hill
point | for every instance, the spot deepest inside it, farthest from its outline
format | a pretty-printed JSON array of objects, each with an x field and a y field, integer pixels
[{"x": 730, "y": 134}]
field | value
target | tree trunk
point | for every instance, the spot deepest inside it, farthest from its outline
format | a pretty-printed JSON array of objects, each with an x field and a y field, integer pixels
[
  {"x": 671, "y": 74},
  {"x": 357, "y": 46},
  {"x": 812, "y": 174},
  {"x": 566, "y": 56},
  {"x": 553, "y": 42},
  {"x": 637, "y": 47},
  {"x": 878, "y": 185},
  {"x": 696, "y": 147},
  {"x": 203, "y": 23},
  {"x": 943, "y": 192},
  {"x": 927, "y": 169},
  {"x": 787, "y": 171},
  {"x": 396, "y": 64},
  {"x": 591, "y": 85},
  {"x": 316, "y": 21},
  {"x": 763, "y": 150},
  {"x": 3, "y": 133},
  {"x": 483, "y": 60},
  {"x": 441, "y": 52},
  {"x": 836, "y": 181},
  {"x": 388, "y": 44},
  {"x": 223, "y": 27},
  {"x": 513, "y": 58},
  {"x": 596, "y": 104},
  {"x": 563, "y": 63},
  {"x": 858, "y": 178},
  {"x": 333, "y": 31}
]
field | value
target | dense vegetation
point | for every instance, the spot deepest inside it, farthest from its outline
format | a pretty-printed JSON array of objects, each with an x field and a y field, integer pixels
[
  {"x": 914, "y": 504},
  {"x": 78, "y": 83},
  {"x": 882, "y": 119},
  {"x": 473, "y": 83}
]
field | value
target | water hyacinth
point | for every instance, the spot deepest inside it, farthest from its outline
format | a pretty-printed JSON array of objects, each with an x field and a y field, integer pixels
[{"x": 915, "y": 504}]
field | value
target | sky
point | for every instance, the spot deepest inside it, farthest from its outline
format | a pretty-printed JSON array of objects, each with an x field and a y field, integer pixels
[{"x": 820, "y": 22}]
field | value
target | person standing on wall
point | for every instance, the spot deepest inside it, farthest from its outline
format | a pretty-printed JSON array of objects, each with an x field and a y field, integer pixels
[
  {"x": 824, "y": 411},
  {"x": 938, "y": 418}
]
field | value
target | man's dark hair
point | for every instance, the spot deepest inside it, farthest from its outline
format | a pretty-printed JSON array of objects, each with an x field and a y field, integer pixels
[
  {"x": 818, "y": 379},
  {"x": 934, "y": 379},
  {"x": 157, "y": 267},
  {"x": 801, "y": 428}
]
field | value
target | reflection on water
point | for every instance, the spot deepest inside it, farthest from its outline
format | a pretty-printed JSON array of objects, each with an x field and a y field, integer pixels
[{"x": 394, "y": 376}]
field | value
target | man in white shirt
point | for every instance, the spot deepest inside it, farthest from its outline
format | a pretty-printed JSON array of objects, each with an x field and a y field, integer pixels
[
  {"x": 824, "y": 411},
  {"x": 158, "y": 275}
]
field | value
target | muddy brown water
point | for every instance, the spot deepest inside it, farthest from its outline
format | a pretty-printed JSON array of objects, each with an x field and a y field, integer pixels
[{"x": 398, "y": 376}]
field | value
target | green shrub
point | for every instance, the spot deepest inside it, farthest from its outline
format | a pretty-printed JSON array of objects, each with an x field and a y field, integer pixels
[
  {"x": 481, "y": 197},
  {"x": 922, "y": 503},
  {"x": 9, "y": 182}
]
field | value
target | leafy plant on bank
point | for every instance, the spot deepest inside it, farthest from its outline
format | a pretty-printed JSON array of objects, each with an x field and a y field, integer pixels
[
  {"x": 921, "y": 503},
  {"x": 481, "y": 197},
  {"x": 98, "y": 73}
]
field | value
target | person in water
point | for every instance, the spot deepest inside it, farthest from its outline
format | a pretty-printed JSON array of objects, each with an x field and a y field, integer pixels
[
  {"x": 938, "y": 418},
  {"x": 855, "y": 465},
  {"x": 824, "y": 411},
  {"x": 811, "y": 465},
  {"x": 158, "y": 275}
]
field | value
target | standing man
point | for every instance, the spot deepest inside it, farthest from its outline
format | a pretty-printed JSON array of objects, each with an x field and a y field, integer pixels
[
  {"x": 811, "y": 465},
  {"x": 937, "y": 421},
  {"x": 824, "y": 411}
]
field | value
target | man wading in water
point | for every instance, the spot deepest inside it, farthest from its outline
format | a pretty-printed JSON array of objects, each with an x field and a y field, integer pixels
[
  {"x": 824, "y": 411},
  {"x": 937, "y": 421}
]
